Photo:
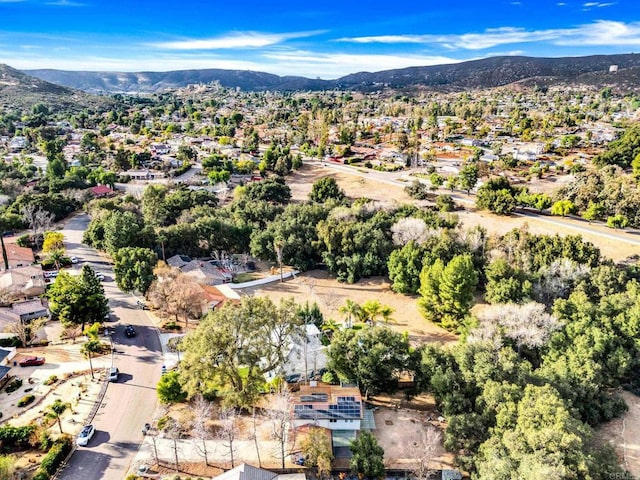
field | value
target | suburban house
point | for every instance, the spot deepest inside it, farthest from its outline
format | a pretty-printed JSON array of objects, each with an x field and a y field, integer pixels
[
  {"x": 100, "y": 191},
  {"x": 30, "y": 309},
  {"x": 216, "y": 296},
  {"x": 203, "y": 271},
  {"x": 160, "y": 149},
  {"x": 335, "y": 407},
  {"x": 17, "y": 256},
  {"x": 305, "y": 355},
  {"x": 7, "y": 354},
  {"x": 25, "y": 282},
  {"x": 248, "y": 472}
]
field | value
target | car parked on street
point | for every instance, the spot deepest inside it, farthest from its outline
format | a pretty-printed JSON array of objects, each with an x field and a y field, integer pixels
[
  {"x": 129, "y": 331},
  {"x": 87, "y": 433},
  {"x": 112, "y": 374},
  {"x": 73, "y": 259},
  {"x": 32, "y": 362}
]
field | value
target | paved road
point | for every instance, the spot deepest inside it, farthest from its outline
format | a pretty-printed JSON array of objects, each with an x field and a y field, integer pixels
[{"x": 130, "y": 402}]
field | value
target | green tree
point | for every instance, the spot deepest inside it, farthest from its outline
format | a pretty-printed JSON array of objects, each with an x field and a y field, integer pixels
[
  {"x": 77, "y": 300},
  {"x": 325, "y": 189},
  {"x": 405, "y": 265},
  {"x": 316, "y": 448},
  {"x": 133, "y": 268},
  {"x": 121, "y": 229},
  {"x": 169, "y": 388},
  {"x": 351, "y": 310},
  {"x": 617, "y": 221},
  {"x": 468, "y": 177},
  {"x": 447, "y": 291},
  {"x": 368, "y": 457},
  {"x": 374, "y": 358},
  {"x": 506, "y": 284},
  {"x": 55, "y": 411},
  {"x": 594, "y": 211},
  {"x": 436, "y": 180},
  {"x": 234, "y": 347},
  {"x": 272, "y": 190},
  {"x": 89, "y": 349},
  {"x": 563, "y": 208}
]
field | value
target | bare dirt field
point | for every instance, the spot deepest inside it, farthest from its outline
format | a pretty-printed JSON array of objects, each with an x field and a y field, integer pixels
[
  {"x": 318, "y": 286},
  {"x": 301, "y": 181},
  {"x": 356, "y": 187},
  {"x": 624, "y": 435}
]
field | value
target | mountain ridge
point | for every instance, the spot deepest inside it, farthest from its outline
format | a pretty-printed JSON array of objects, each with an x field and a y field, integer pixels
[{"x": 482, "y": 73}]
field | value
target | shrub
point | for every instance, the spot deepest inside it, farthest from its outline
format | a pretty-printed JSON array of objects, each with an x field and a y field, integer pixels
[
  {"x": 51, "y": 380},
  {"x": 15, "y": 384},
  {"x": 16, "y": 438},
  {"x": 45, "y": 440},
  {"x": 24, "y": 240},
  {"x": 57, "y": 453},
  {"x": 172, "y": 326},
  {"x": 445, "y": 203},
  {"x": 26, "y": 400},
  {"x": 10, "y": 342},
  {"x": 41, "y": 475}
]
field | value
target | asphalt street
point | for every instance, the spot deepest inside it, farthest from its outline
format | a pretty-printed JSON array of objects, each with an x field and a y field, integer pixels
[{"x": 130, "y": 401}]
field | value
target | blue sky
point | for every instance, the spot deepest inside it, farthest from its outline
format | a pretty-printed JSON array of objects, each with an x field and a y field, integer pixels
[{"x": 324, "y": 39}]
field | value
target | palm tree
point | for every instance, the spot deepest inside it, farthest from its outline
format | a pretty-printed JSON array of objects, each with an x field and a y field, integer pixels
[
  {"x": 372, "y": 309},
  {"x": 56, "y": 256},
  {"x": 56, "y": 409},
  {"x": 350, "y": 309},
  {"x": 386, "y": 313},
  {"x": 91, "y": 347}
]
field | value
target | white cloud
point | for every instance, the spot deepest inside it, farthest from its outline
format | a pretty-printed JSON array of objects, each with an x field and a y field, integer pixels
[
  {"x": 233, "y": 40},
  {"x": 333, "y": 65},
  {"x": 588, "y": 5},
  {"x": 65, "y": 3},
  {"x": 601, "y": 33}
]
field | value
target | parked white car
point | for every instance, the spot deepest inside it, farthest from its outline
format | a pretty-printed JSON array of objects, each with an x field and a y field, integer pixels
[{"x": 87, "y": 433}]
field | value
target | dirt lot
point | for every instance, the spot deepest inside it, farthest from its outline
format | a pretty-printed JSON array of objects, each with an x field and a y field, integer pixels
[
  {"x": 624, "y": 434},
  {"x": 318, "y": 286},
  {"x": 301, "y": 181},
  {"x": 355, "y": 187}
]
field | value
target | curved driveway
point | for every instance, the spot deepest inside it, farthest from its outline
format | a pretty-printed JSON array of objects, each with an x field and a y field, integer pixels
[{"x": 130, "y": 402}]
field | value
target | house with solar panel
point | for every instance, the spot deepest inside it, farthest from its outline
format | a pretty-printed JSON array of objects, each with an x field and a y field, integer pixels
[{"x": 337, "y": 408}]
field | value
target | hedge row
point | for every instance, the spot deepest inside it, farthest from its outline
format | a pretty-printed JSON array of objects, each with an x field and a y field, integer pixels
[{"x": 52, "y": 460}]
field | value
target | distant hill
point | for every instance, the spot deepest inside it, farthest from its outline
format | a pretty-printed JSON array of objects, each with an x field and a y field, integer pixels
[
  {"x": 148, "y": 82},
  {"x": 484, "y": 73},
  {"x": 499, "y": 71},
  {"x": 21, "y": 91}
]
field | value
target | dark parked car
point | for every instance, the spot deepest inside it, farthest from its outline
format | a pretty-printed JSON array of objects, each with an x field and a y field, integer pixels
[
  {"x": 129, "y": 331},
  {"x": 32, "y": 361}
]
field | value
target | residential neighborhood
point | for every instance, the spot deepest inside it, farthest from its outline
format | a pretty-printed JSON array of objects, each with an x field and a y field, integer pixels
[{"x": 217, "y": 283}]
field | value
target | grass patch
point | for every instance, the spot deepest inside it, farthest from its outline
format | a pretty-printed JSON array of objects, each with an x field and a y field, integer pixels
[{"x": 246, "y": 277}]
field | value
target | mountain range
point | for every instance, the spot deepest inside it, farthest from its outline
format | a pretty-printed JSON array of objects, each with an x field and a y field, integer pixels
[{"x": 484, "y": 73}]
